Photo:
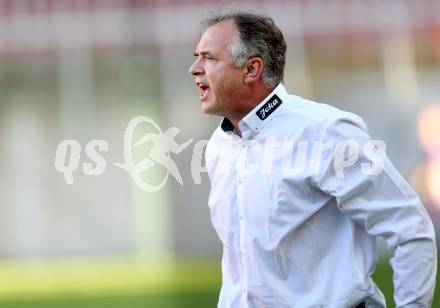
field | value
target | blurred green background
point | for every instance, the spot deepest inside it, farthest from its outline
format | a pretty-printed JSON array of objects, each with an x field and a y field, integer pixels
[
  {"x": 185, "y": 285},
  {"x": 82, "y": 69}
]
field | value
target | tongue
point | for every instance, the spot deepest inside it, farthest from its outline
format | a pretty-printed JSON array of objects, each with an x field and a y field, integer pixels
[{"x": 205, "y": 91}]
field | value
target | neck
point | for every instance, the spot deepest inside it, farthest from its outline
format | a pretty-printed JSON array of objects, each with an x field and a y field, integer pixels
[{"x": 250, "y": 98}]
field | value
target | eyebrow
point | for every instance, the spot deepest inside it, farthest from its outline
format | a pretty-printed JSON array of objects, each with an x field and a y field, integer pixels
[{"x": 203, "y": 53}]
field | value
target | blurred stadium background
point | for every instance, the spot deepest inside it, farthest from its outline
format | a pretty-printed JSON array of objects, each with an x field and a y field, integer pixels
[{"x": 82, "y": 69}]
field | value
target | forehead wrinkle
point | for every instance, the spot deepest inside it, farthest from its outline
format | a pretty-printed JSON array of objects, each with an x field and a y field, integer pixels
[{"x": 218, "y": 34}]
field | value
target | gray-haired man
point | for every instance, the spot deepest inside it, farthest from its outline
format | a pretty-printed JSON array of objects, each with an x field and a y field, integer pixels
[{"x": 304, "y": 238}]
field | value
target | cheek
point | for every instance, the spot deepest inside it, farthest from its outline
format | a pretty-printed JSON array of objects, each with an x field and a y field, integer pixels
[
  {"x": 233, "y": 83},
  {"x": 224, "y": 81},
  {"x": 236, "y": 78}
]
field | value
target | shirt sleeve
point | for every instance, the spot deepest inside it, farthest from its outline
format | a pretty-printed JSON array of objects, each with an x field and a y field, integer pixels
[{"x": 370, "y": 191}]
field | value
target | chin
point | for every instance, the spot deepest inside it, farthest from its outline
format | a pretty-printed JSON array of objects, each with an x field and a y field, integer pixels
[
  {"x": 208, "y": 111},
  {"x": 206, "y": 108}
]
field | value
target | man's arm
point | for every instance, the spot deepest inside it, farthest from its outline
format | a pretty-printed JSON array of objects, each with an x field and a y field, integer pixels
[{"x": 385, "y": 205}]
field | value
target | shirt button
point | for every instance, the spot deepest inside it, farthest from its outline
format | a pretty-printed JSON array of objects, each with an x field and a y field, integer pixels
[
  {"x": 241, "y": 217},
  {"x": 240, "y": 181},
  {"x": 244, "y": 290}
]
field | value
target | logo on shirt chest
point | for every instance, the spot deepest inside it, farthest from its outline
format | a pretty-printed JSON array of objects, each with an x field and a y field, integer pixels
[{"x": 271, "y": 105}]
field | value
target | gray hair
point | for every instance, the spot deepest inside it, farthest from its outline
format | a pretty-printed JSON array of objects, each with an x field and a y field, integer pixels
[{"x": 257, "y": 36}]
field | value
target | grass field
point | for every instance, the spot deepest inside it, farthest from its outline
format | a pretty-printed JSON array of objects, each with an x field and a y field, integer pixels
[{"x": 120, "y": 285}]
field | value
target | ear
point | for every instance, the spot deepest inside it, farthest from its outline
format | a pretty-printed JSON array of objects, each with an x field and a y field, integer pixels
[{"x": 253, "y": 70}]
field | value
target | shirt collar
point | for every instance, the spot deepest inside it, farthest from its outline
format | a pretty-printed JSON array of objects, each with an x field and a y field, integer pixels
[{"x": 261, "y": 114}]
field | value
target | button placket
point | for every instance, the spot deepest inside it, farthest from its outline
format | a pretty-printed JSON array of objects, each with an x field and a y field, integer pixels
[
  {"x": 240, "y": 210},
  {"x": 242, "y": 165},
  {"x": 240, "y": 206}
]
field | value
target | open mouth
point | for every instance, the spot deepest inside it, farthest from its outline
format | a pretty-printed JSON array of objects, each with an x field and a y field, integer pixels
[{"x": 204, "y": 90}]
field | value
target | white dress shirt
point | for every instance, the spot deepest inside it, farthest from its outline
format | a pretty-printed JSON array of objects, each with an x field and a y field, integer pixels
[{"x": 299, "y": 228}]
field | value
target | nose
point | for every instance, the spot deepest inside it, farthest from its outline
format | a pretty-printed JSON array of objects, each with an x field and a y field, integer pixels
[{"x": 196, "y": 69}]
